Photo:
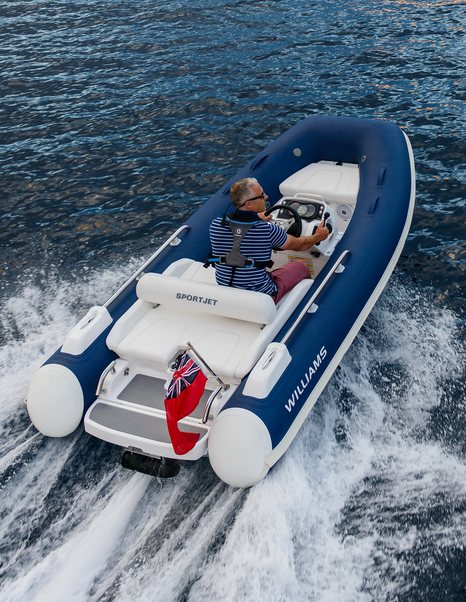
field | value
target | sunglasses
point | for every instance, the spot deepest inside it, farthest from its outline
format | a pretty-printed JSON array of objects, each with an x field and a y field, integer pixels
[{"x": 262, "y": 195}]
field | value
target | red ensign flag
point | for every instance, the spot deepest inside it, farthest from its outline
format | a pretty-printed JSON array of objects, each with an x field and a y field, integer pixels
[{"x": 184, "y": 393}]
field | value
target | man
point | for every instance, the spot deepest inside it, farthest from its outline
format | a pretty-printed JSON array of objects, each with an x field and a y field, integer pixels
[{"x": 242, "y": 244}]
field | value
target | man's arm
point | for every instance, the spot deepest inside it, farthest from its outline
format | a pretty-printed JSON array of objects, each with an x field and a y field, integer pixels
[{"x": 305, "y": 242}]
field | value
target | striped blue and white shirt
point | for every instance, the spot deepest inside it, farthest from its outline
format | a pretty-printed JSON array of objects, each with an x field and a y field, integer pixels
[{"x": 257, "y": 244}]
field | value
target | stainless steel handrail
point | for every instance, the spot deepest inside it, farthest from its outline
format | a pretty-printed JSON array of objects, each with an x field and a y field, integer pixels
[
  {"x": 314, "y": 296},
  {"x": 209, "y": 403},
  {"x": 103, "y": 376},
  {"x": 144, "y": 266}
]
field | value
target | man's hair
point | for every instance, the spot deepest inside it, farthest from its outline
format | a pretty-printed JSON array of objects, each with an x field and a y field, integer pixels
[{"x": 241, "y": 191}]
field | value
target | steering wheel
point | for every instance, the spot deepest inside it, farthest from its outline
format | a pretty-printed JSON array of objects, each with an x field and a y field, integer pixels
[{"x": 296, "y": 228}]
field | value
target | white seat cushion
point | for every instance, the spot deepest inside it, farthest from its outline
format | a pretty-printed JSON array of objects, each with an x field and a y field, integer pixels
[
  {"x": 202, "y": 297},
  {"x": 337, "y": 183},
  {"x": 162, "y": 332}
]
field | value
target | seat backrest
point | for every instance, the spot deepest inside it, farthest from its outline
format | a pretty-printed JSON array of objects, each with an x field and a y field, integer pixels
[{"x": 202, "y": 297}]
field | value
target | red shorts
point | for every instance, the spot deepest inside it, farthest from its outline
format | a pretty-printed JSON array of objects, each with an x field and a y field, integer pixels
[{"x": 287, "y": 277}]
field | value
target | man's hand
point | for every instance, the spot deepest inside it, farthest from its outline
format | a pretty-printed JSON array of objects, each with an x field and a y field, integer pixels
[
  {"x": 321, "y": 232},
  {"x": 306, "y": 242},
  {"x": 266, "y": 218}
]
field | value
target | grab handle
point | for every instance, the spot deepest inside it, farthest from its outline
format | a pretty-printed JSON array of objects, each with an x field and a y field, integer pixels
[
  {"x": 100, "y": 384},
  {"x": 258, "y": 162},
  {"x": 209, "y": 403}
]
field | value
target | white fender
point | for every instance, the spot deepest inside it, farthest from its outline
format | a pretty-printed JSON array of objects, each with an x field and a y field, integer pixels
[
  {"x": 55, "y": 401},
  {"x": 238, "y": 445}
]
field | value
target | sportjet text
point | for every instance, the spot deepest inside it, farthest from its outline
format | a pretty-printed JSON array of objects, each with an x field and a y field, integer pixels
[{"x": 197, "y": 299}]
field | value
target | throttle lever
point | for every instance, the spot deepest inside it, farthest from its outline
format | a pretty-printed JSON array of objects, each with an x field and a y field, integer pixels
[
  {"x": 324, "y": 223},
  {"x": 329, "y": 226}
]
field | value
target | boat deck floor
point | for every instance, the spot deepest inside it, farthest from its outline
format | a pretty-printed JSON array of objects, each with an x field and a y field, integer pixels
[{"x": 150, "y": 392}]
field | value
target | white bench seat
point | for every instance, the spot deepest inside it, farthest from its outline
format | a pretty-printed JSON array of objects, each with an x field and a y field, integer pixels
[
  {"x": 162, "y": 332},
  {"x": 230, "y": 334}
]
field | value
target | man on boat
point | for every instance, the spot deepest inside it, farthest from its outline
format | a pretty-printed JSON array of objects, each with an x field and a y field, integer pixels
[{"x": 242, "y": 244}]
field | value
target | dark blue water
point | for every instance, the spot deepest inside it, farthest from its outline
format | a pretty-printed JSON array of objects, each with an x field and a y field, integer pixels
[{"x": 117, "y": 120}]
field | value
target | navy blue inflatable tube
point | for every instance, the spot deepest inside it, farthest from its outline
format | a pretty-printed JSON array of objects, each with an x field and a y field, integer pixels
[{"x": 381, "y": 151}]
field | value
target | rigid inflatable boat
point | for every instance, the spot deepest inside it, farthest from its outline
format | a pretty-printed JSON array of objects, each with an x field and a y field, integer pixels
[{"x": 267, "y": 364}]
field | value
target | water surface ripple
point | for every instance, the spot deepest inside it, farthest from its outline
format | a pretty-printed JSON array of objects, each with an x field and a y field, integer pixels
[{"x": 117, "y": 120}]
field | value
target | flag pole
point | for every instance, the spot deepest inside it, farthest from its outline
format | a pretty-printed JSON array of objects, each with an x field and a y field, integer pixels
[{"x": 199, "y": 359}]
